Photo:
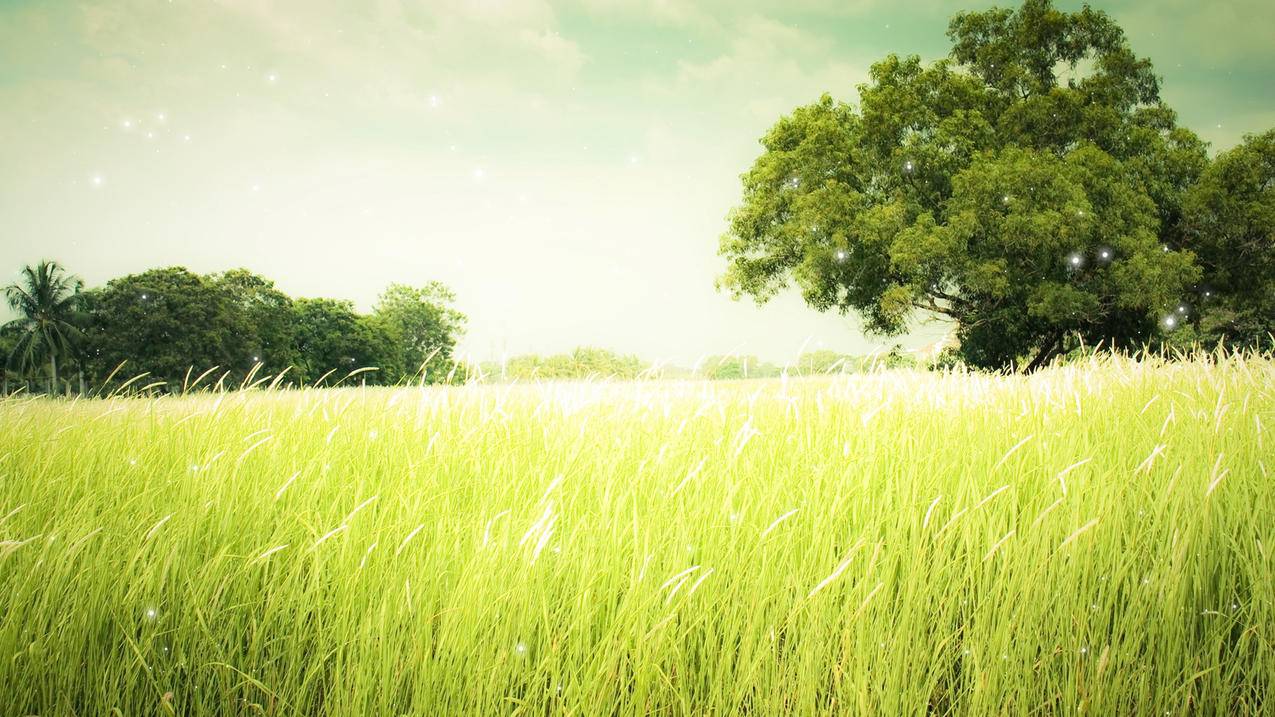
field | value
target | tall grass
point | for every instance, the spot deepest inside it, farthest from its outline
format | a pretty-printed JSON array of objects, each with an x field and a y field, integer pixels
[{"x": 1092, "y": 539}]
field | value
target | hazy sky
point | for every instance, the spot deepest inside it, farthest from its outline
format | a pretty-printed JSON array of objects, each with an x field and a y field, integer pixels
[{"x": 566, "y": 166}]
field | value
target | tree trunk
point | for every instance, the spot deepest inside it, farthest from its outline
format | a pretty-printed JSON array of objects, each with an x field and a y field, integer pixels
[
  {"x": 1047, "y": 351},
  {"x": 53, "y": 374},
  {"x": 81, "y": 375}
]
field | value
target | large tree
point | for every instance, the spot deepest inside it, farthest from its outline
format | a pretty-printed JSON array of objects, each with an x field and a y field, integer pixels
[
  {"x": 424, "y": 328},
  {"x": 1229, "y": 220},
  {"x": 169, "y": 323},
  {"x": 49, "y": 322},
  {"x": 1027, "y": 187}
]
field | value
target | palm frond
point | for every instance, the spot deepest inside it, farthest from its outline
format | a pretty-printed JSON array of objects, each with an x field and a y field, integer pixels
[{"x": 47, "y": 302}]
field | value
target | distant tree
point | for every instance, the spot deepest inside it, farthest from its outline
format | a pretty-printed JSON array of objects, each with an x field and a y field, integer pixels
[
  {"x": 737, "y": 367},
  {"x": 333, "y": 340},
  {"x": 947, "y": 359},
  {"x": 268, "y": 314},
  {"x": 424, "y": 328},
  {"x": 824, "y": 361},
  {"x": 582, "y": 362},
  {"x": 897, "y": 357},
  {"x": 49, "y": 323},
  {"x": 725, "y": 368},
  {"x": 591, "y": 361},
  {"x": 168, "y": 323},
  {"x": 1229, "y": 221},
  {"x": 1035, "y": 212}
]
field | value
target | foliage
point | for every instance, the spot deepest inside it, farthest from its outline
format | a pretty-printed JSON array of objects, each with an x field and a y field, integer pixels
[
  {"x": 1229, "y": 221},
  {"x": 736, "y": 367},
  {"x": 589, "y": 363},
  {"x": 424, "y": 328},
  {"x": 48, "y": 327},
  {"x": 267, "y": 313},
  {"x": 948, "y": 359},
  {"x": 1031, "y": 210},
  {"x": 8, "y": 340},
  {"x": 169, "y": 323},
  {"x": 1086, "y": 540},
  {"x": 897, "y": 358},
  {"x": 181, "y": 329},
  {"x": 582, "y": 362},
  {"x": 333, "y": 340}
]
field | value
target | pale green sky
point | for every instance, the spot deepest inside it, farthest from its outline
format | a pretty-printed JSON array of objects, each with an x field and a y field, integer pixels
[{"x": 565, "y": 166}]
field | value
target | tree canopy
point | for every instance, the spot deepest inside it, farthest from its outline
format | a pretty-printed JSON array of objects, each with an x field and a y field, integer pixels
[
  {"x": 48, "y": 326},
  {"x": 332, "y": 340},
  {"x": 1031, "y": 187},
  {"x": 174, "y": 325},
  {"x": 167, "y": 322},
  {"x": 269, "y": 316},
  {"x": 1229, "y": 221},
  {"x": 422, "y": 327}
]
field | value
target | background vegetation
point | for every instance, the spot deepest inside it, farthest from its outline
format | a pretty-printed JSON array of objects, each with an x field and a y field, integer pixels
[
  {"x": 175, "y": 327},
  {"x": 596, "y": 363}
]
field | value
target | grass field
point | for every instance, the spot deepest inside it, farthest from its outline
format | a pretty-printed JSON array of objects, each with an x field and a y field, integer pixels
[{"x": 1093, "y": 539}]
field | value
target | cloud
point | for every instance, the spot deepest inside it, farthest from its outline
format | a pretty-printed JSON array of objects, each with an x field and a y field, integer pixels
[
  {"x": 384, "y": 71},
  {"x": 766, "y": 67},
  {"x": 705, "y": 13},
  {"x": 669, "y": 13},
  {"x": 1230, "y": 33},
  {"x": 391, "y": 37},
  {"x": 559, "y": 52}
]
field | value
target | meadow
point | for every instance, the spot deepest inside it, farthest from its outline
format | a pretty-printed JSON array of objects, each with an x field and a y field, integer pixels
[{"x": 1092, "y": 539}]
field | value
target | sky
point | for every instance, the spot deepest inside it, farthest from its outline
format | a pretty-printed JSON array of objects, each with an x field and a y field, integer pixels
[{"x": 565, "y": 167}]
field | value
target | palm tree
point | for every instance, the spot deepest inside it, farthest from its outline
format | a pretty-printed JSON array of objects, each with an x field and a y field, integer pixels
[{"x": 46, "y": 300}]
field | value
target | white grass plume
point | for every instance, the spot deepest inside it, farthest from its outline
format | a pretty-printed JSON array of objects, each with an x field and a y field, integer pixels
[{"x": 777, "y": 521}]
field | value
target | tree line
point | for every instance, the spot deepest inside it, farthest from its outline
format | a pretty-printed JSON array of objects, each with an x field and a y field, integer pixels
[
  {"x": 1032, "y": 187},
  {"x": 173, "y": 328},
  {"x": 591, "y": 362}
]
